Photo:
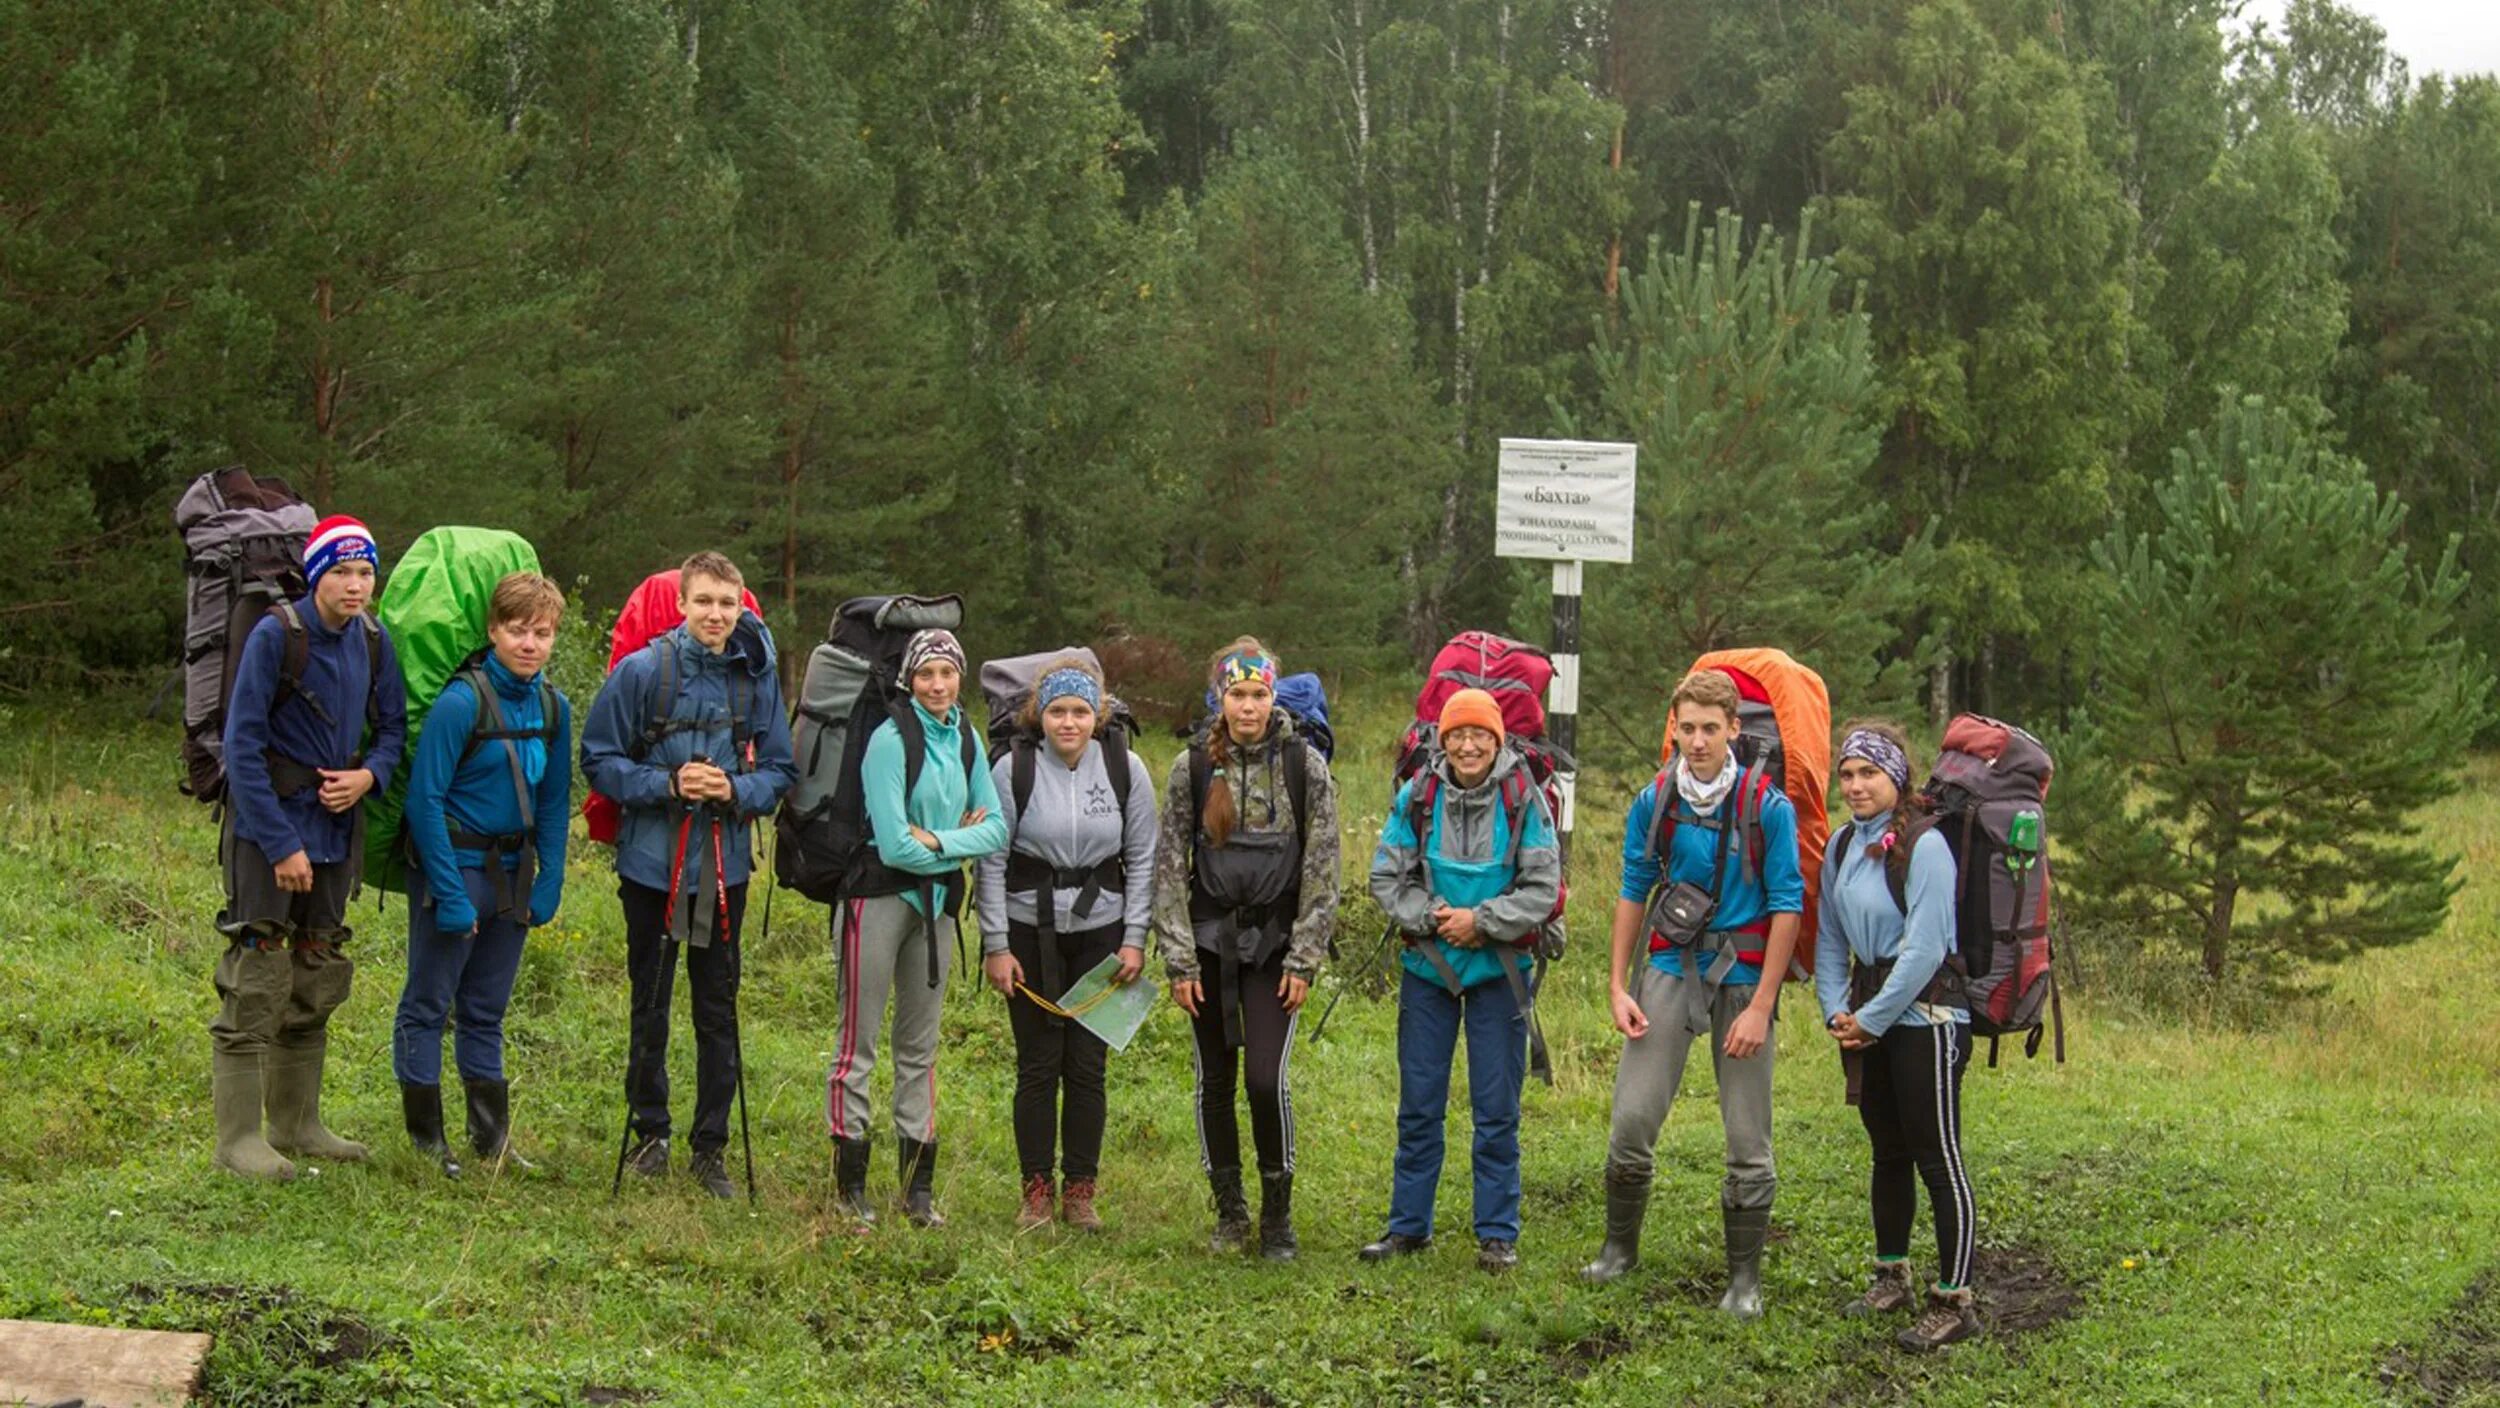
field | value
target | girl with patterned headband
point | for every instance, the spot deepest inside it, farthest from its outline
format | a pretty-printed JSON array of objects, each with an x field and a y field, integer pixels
[{"x": 1245, "y": 898}]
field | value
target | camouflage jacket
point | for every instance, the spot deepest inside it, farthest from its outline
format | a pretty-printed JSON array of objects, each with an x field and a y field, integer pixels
[{"x": 1264, "y": 804}]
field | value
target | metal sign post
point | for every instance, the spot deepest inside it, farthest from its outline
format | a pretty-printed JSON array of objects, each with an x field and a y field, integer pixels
[{"x": 1570, "y": 502}]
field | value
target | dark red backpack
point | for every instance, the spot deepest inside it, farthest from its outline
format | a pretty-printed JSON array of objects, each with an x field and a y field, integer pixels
[{"x": 1988, "y": 795}]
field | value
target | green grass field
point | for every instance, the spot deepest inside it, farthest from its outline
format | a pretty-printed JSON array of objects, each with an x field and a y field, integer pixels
[{"x": 2306, "y": 1214}]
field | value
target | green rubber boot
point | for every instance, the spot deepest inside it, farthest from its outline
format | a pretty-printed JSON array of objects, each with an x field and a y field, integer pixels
[
  {"x": 236, "y": 1096},
  {"x": 293, "y": 1094}
]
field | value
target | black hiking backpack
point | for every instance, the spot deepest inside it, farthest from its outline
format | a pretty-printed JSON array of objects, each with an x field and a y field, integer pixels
[{"x": 822, "y": 847}]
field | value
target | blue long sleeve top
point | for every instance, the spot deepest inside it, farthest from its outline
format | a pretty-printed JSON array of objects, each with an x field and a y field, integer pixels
[
  {"x": 1860, "y": 921},
  {"x": 1779, "y": 888},
  {"x": 337, "y": 674},
  {"x": 937, "y": 803},
  {"x": 646, "y": 833},
  {"x": 476, "y": 795}
]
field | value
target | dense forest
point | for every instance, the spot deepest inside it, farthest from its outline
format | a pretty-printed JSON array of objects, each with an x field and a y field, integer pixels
[{"x": 1162, "y": 319}]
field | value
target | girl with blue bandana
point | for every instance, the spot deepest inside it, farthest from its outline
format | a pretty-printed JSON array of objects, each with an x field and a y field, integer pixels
[
  {"x": 1074, "y": 887},
  {"x": 1894, "y": 1003}
]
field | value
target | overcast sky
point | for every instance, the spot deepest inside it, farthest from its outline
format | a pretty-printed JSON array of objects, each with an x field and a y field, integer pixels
[{"x": 2445, "y": 36}]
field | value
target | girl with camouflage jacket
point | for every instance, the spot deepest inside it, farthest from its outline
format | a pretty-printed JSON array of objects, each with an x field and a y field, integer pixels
[{"x": 1245, "y": 901}]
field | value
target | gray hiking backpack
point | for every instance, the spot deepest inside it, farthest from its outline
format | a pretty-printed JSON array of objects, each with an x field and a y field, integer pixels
[{"x": 243, "y": 555}]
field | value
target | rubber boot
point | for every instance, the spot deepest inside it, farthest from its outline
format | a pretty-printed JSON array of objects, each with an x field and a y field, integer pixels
[
  {"x": 1232, "y": 1212},
  {"x": 1276, "y": 1239},
  {"x": 1747, "y": 1229},
  {"x": 292, "y": 1094},
  {"x": 850, "y": 1181},
  {"x": 1627, "y": 1203},
  {"x": 490, "y": 1121},
  {"x": 916, "y": 1170},
  {"x": 422, "y": 1107},
  {"x": 236, "y": 1097}
]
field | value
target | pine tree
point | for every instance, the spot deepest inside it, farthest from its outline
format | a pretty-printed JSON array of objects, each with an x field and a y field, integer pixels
[
  {"x": 1752, "y": 392},
  {"x": 2283, "y": 688}
]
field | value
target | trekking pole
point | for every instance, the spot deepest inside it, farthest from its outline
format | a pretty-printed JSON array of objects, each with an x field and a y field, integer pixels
[
  {"x": 746, "y": 1139},
  {"x": 1388, "y": 932}
]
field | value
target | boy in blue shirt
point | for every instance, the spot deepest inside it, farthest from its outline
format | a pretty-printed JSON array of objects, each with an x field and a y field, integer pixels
[
  {"x": 315, "y": 678},
  {"x": 690, "y": 737},
  {"x": 1727, "y": 892}
]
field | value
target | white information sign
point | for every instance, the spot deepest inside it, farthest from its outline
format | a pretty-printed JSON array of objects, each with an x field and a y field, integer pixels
[{"x": 1564, "y": 500}]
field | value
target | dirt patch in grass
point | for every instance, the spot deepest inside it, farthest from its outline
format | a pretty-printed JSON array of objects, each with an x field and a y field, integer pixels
[
  {"x": 2458, "y": 1362},
  {"x": 1585, "y": 1355},
  {"x": 608, "y": 1393},
  {"x": 2022, "y": 1292},
  {"x": 287, "y": 1326}
]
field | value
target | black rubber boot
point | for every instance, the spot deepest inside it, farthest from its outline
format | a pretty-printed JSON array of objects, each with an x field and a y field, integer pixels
[
  {"x": 1276, "y": 1240},
  {"x": 422, "y": 1107},
  {"x": 916, "y": 1170},
  {"x": 1746, "y": 1229},
  {"x": 1232, "y": 1212},
  {"x": 850, "y": 1180},
  {"x": 1627, "y": 1202},
  {"x": 490, "y": 1117}
]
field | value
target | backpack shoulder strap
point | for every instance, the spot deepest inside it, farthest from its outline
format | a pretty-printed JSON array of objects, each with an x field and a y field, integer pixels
[
  {"x": 297, "y": 652},
  {"x": 915, "y": 741},
  {"x": 741, "y": 733},
  {"x": 1515, "y": 787},
  {"x": 1298, "y": 787},
  {"x": 663, "y": 698},
  {"x": 1422, "y": 795},
  {"x": 971, "y": 745},
  {"x": 1201, "y": 777},
  {"x": 373, "y": 669},
  {"x": 1115, "y": 764},
  {"x": 1022, "y": 760},
  {"x": 1662, "y": 823}
]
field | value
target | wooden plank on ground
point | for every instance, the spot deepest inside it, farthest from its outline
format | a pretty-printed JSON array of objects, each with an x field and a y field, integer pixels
[{"x": 43, "y": 1363}]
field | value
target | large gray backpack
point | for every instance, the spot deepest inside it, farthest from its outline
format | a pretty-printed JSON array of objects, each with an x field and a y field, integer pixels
[
  {"x": 821, "y": 841},
  {"x": 243, "y": 555}
]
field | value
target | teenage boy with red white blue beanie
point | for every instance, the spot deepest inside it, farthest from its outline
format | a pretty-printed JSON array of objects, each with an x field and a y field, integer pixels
[{"x": 316, "y": 723}]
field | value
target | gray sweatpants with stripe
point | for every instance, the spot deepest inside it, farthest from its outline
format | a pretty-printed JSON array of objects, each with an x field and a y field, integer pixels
[
  {"x": 883, "y": 955},
  {"x": 1653, "y": 1069}
]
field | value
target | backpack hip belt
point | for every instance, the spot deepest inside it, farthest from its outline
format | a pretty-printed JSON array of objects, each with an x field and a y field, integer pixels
[
  {"x": 289, "y": 778},
  {"x": 1230, "y": 926},
  {"x": 1946, "y": 989},
  {"x": 1044, "y": 881},
  {"x": 511, "y": 885}
]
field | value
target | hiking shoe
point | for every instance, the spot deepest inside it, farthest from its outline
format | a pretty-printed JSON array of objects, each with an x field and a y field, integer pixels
[
  {"x": 1232, "y": 1213},
  {"x": 650, "y": 1157},
  {"x": 1496, "y": 1255},
  {"x": 1393, "y": 1245},
  {"x": 1952, "y": 1317},
  {"x": 712, "y": 1171},
  {"x": 1076, "y": 1206},
  {"x": 1887, "y": 1292},
  {"x": 1036, "y": 1211}
]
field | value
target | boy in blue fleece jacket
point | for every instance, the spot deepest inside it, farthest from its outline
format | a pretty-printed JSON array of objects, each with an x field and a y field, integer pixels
[
  {"x": 490, "y": 798},
  {"x": 299, "y": 765},
  {"x": 1721, "y": 983},
  {"x": 721, "y": 758}
]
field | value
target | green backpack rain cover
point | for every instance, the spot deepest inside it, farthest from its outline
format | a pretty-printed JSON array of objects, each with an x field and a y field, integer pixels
[{"x": 434, "y": 606}]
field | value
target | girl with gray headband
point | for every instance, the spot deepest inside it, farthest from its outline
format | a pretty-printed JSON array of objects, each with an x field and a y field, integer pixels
[{"x": 1889, "y": 982}]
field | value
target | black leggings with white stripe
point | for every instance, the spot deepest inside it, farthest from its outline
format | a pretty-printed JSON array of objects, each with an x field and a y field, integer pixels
[
  {"x": 1267, "y": 1041},
  {"x": 1912, "y": 1107}
]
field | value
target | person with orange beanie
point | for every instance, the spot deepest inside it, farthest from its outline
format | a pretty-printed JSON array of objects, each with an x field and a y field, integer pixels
[{"x": 1467, "y": 869}]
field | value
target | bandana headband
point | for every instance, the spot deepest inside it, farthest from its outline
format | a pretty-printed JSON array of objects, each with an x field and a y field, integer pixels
[
  {"x": 1067, "y": 684},
  {"x": 1243, "y": 668},
  {"x": 1886, "y": 755}
]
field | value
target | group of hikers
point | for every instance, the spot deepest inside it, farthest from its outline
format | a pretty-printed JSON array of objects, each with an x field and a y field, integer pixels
[{"x": 1067, "y": 864}]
